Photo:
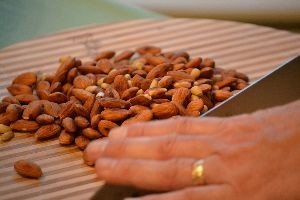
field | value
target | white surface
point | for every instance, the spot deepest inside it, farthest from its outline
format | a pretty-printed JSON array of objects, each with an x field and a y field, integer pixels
[{"x": 262, "y": 10}]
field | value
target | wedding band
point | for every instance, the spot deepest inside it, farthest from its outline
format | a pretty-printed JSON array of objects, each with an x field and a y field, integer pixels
[{"x": 198, "y": 172}]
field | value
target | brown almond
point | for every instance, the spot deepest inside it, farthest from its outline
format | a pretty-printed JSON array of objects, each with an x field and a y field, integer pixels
[
  {"x": 105, "y": 55},
  {"x": 159, "y": 71},
  {"x": 156, "y": 93},
  {"x": 140, "y": 72},
  {"x": 178, "y": 76},
  {"x": 63, "y": 70},
  {"x": 142, "y": 116},
  {"x": 43, "y": 85},
  {"x": 137, "y": 108},
  {"x": 66, "y": 138},
  {"x": 44, "y": 119},
  {"x": 158, "y": 101},
  {"x": 55, "y": 87},
  {"x": 51, "y": 108},
  {"x": 91, "y": 133},
  {"x": 136, "y": 81},
  {"x": 108, "y": 102},
  {"x": 129, "y": 93},
  {"x": 195, "y": 62},
  {"x": 57, "y": 97},
  {"x": 32, "y": 110},
  {"x": 67, "y": 110},
  {"x": 111, "y": 92},
  {"x": 120, "y": 84},
  {"x": 69, "y": 125},
  {"x": 95, "y": 120},
  {"x": 145, "y": 85},
  {"x": 26, "y": 98},
  {"x": 47, "y": 131},
  {"x": 225, "y": 82},
  {"x": 165, "y": 82},
  {"x": 208, "y": 62},
  {"x": 81, "y": 94},
  {"x": 96, "y": 108},
  {"x": 72, "y": 74},
  {"x": 180, "y": 54},
  {"x": 181, "y": 96},
  {"x": 112, "y": 74},
  {"x": 164, "y": 110},
  {"x": 115, "y": 114},
  {"x": 194, "y": 108},
  {"x": 221, "y": 95},
  {"x": 80, "y": 110},
  {"x": 206, "y": 72},
  {"x": 4, "y": 119},
  {"x": 207, "y": 101},
  {"x": 81, "y": 142},
  {"x": 10, "y": 100},
  {"x": 125, "y": 55},
  {"x": 3, "y": 106},
  {"x": 88, "y": 105},
  {"x": 24, "y": 126},
  {"x": 27, "y": 78},
  {"x": 89, "y": 68},
  {"x": 82, "y": 82},
  {"x": 81, "y": 122},
  {"x": 105, "y": 126},
  {"x": 14, "y": 112},
  {"x": 140, "y": 100},
  {"x": 155, "y": 60},
  {"x": 105, "y": 65},
  {"x": 152, "y": 50},
  {"x": 43, "y": 94},
  {"x": 16, "y": 89},
  {"x": 28, "y": 169}
]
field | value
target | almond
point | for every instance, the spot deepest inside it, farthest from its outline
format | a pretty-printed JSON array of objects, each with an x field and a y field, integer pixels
[
  {"x": 4, "y": 119},
  {"x": 115, "y": 115},
  {"x": 111, "y": 92},
  {"x": 225, "y": 82},
  {"x": 108, "y": 102},
  {"x": 105, "y": 55},
  {"x": 140, "y": 100},
  {"x": 181, "y": 96},
  {"x": 72, "y": 74},
  {"x": 66, "y": 138},
  {"x": 67, "y": 110},
  {"x": 178, "y": 76},
  {"x": 165, "y": 82},
  {"x": 57, "y": 97},
  {"x": 195, "y": 62},
  {"x": 44, "y": 119},
  {"x": 206, "y": 72},
  {"x": 3, "y": 106},
  {"x": 51, "y": 108},
  {"x": 221, "y": 95},
  {"x": 136, "y": 81},
  {"x": 14, "y": 112},
  {"x": 69, "y": 125},
  {"x": 142, "y": 116},
  {"x": 125, "y": 55},
  {"x": 80, "y": 110},
  {"x": 91, "y": 133},
  {"x": 82, "y": 142},
  {"x": 194, "y": 107},
  {"x": 95, "y": 120},
  {"x": 158, "y": 71},
  {"x": 26, "y": 98},
  {"x": 16, "y": 89},
  {"x": 156, "y": 92},
  {"x": 129, "y": 93},
  {"x": 10, "y": 100},
  {"x": 24, "y": 126},
  {"x": 105, "y": 65},
  {"x": 62, "y": 71},
  {"x": 112, "y": 74},
  {"x": 32, "y": 110},
  {"x": 105, "y": 126},
  {"x": 81, "y": 94},
  {"x": 55, "y": 87},
  {"x": 28, "y": 169},
  {"x": 89, "y": 68},
  {"x": 88, "y": 105},
  {"x": 47, "y": 131},
  {"x": 164, "y": 110},
  {"x": 120, "y": 84},
  {"x": 155, "y": 60},
  {"x": 82, "y": 82},
  {"x": 81, "y": 122},
  {"x": 28, "y": 78},
  {"x": 152, "y": 50},
  {"x": 96, "y": 108}
]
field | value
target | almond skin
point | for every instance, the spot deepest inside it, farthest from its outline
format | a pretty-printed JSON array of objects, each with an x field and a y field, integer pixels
[
  {"x": 115, "y": 114},
  {"x": 81, "y": 122},
  {"x": 25, "y": 126},
  {"x": 16, "y": 89},
  {"x": 28, "y": 78},
  {"x": 32, "y": 110},
  {"x": 28, "y": 169},
  {"x": 82, "y": 142},
  {"x": 51, "y": 108},
  {"x": 66, "y": 138},
  {"x": 181, "y": 96},
  {"x": 164, "y": 110},
  {"x": 26, "y": 98},
  {"x": 44, "y": 119},
  {"x": 91, "y": 133},
  {"x": 47, "y": 131},
  {"x": 108, "y": 102},
  {"x": 105, "y": 126},
  {"x": 69, "y": 125}
]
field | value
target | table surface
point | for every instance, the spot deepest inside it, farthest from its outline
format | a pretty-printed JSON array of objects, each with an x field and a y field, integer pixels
[{"x": 251, "y": 49}]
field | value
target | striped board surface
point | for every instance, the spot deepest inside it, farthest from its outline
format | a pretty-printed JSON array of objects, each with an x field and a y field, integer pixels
[{"x": 252, "y": 49}]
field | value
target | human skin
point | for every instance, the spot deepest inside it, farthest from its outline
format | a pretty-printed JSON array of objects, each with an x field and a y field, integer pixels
[{"x": 253, "y": 156}]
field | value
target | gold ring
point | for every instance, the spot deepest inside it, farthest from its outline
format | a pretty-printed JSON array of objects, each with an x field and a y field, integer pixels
[{"x": 198, "y": 172}]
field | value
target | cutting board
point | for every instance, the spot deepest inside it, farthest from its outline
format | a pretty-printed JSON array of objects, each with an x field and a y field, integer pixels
[{"x": 251, "y": 49}]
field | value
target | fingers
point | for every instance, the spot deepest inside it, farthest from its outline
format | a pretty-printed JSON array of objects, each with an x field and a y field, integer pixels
[
  {"x": 183, "y": 125},
  {"x": 150, "y": 174},
  {"x": 155, "y": 148},
  {"x": 210, "y": 192}
]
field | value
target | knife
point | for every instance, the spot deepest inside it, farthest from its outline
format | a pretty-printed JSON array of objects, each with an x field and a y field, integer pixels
[{"x": 279, "y": 87}]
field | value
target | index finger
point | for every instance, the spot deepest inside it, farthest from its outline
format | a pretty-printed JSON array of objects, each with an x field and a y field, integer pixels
[{"x": 182, "y": 125}]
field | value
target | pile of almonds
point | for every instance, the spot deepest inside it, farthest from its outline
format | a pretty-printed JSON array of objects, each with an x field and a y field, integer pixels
[{"x": 81, "y": 102}]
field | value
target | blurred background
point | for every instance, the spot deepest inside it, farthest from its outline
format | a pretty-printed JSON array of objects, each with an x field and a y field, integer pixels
[{"x": 21, "y": 20}]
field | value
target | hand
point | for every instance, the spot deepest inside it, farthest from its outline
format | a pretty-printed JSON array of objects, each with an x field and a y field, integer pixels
[{"x": 252, "y": 156}]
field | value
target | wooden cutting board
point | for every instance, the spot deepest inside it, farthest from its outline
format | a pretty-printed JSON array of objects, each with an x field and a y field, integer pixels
[{"x": 251, "y": 49}]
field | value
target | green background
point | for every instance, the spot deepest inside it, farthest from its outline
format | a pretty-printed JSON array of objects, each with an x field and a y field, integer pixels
[{"x": 25, "y": 19}]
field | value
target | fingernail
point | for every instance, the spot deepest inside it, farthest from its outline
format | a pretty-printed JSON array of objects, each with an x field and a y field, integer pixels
[
  {"x": 104, "y": 166},
  {"x": 117, "y": 133},
  {"x": 94, "y": 150}
]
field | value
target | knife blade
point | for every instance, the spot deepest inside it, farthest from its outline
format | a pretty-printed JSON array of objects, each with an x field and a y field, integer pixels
[{"x": 280, "y": 86}]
